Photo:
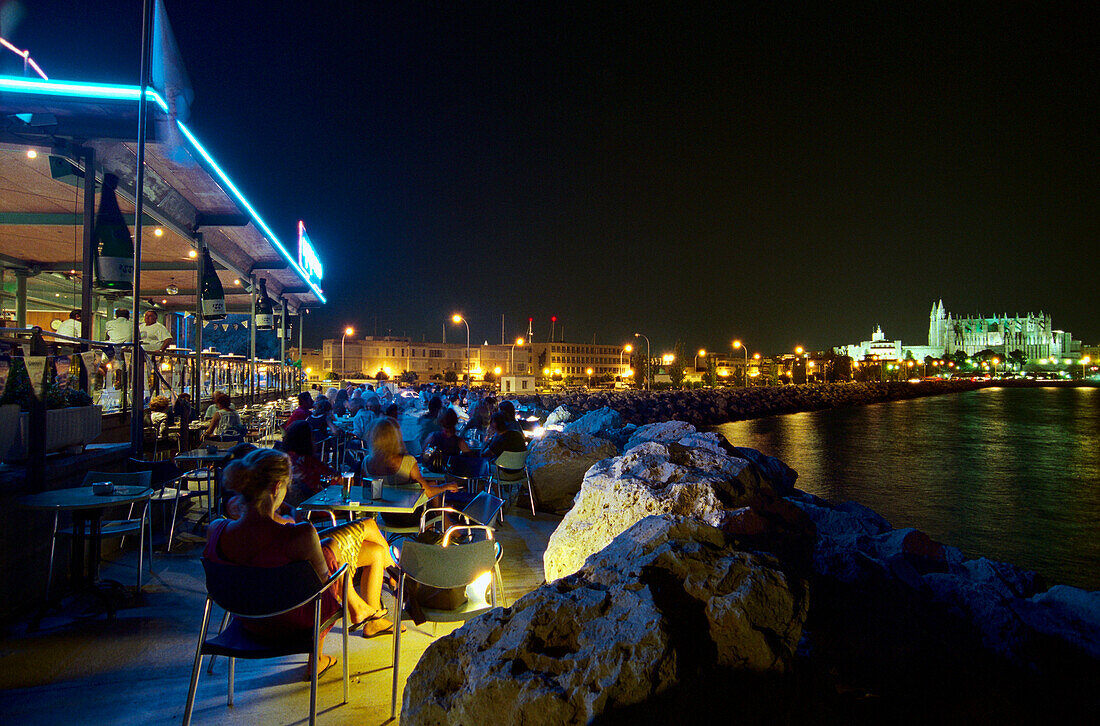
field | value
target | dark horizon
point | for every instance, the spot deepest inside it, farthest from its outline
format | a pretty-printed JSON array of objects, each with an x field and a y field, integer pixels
[{"x": 786, "y": 177}]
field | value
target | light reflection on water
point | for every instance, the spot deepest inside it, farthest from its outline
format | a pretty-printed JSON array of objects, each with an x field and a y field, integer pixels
[{"x": 1009, "y": 473}]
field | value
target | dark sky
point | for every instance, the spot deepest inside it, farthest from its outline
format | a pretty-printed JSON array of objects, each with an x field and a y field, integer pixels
[{"x": 702, "y": 172}]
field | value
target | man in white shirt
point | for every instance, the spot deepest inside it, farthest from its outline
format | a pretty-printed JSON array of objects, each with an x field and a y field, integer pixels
[
  {"x": 120, "y": 330},
  {"x": 155, "y": 337},
  {"x": 70, "y": 327}
]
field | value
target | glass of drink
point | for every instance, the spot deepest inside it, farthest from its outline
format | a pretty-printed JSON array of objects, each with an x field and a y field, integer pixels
[{"x": 347, "y": 476}]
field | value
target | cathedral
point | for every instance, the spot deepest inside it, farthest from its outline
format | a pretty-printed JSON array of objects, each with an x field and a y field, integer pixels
[{"x": 1032, "y": 334}]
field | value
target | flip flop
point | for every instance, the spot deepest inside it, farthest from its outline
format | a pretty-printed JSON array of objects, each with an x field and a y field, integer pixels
[
  {"x": 378, "y": 615},
  {"x": 387, "y": 631},
  {"x": 334, "y": 660}
]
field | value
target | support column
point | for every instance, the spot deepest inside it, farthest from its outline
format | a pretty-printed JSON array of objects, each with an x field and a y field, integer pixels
[
  {"x": 196, "y": 392},
  {"x": 21, "y": 298},
  {"x": 301, "y": 353},
  {"x": 87, "y": 313},
  {"x": 252, "y": 340},
  {"x": 282, "y": 350}
]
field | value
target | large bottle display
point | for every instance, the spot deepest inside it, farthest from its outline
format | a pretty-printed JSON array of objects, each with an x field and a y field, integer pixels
[
  {"x": 213, "y": 296},
  {"x": 114, "y": 249},
  {"x": 265, "y": 317}
]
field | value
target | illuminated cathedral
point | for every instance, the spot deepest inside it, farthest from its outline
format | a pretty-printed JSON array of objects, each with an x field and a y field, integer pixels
[{"x": 1032, "y": 334}]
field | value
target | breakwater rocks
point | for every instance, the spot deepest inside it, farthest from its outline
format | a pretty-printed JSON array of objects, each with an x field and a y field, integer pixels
[
  {"x": 693, "y": 582},
  {"x": 713, "y": 406}
]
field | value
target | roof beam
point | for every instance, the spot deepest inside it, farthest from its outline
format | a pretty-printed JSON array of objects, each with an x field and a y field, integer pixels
[{"x": 56, "y": 219}]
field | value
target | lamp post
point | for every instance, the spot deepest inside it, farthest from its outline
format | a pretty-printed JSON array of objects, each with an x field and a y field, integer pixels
[
  {"x": 744, "y": 349},
  {"x": 648, "y": 367},
  {"x": 456, "y": 318},
  {"x": 512, "y": 356},
  {"x": 1085, "y": 360},
  {"x": 347, "y": 331},
  {"x": 588, "y": 372},
  {"x": 628, "y": 348},
  {"x": 702, "y": 353}
]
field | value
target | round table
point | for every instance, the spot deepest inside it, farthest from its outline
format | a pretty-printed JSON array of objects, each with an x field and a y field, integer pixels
[{"x": 87, "y": 509}]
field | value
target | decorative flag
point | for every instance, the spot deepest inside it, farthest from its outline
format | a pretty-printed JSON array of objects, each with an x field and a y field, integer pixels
[
  {"x": 244, "y": 323},
  {"x": 36, "y": 368}
]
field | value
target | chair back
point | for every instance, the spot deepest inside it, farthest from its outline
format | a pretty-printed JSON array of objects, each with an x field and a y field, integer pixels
[
  {"x": 134, "y": 478},
  {"x": 160, "y": 472},
  {"x": 483, "y": 508},
  {"x": 260, "y": 591},
  {"x": 443, "y": 567},
  {"x": 512, "y": 460}
]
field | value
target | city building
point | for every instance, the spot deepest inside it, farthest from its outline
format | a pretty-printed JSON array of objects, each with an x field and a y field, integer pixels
[
  {"x": 1033, "y": 334},
  {"x": 879, "y": 348},
  {"x": 365, "y": 357},
  {"x": 574, "y": 359}
]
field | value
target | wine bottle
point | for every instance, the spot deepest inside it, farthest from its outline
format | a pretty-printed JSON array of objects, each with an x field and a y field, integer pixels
[
  {"x": 265, "y": 318},
  {"x": 213, "y": 296},
  {"x": 114, "y": 249}
]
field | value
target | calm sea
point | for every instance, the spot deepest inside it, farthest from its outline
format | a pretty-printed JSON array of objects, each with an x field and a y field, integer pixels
[{"x": 1008, "y": 473}]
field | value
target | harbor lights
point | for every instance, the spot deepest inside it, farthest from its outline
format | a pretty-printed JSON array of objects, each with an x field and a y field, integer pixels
[
  {"x": 347, "y": 331},
  {"x": 745, "y": 349},
  {"x": 456, "y": 319}
]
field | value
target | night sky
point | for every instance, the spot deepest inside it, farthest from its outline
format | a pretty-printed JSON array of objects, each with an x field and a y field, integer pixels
[{"x": 702, "y": 173}]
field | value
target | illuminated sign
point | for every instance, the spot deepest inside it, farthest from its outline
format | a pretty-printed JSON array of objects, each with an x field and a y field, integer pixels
[{"x": 307, "y": 256}]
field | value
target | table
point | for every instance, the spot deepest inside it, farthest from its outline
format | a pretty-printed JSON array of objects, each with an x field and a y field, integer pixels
[
  {"x": 199, "y": 458},
  {"x": 394, "y": 500},
  {"x": 87, "y": 510}
]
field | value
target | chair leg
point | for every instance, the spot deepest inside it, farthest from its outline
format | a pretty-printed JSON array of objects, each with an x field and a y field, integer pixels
[
  {"x": 221, "y": 629},
  {"x": 397, "y": 643},
  {"x": 531, "y": 495},
  {"x": 500, "y": 585},
  {"x": 197, "y": 664},
  {"x": 172, "y": 526},
  {"x": 53, "y": 547},
  {"x": 316, "y": 661},
  {"x": 232, "y": 674},
  {"x": 347, "y": 584}
]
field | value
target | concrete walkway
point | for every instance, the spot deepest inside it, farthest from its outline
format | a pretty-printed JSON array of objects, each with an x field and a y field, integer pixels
[{"x": 135, "y": 670}]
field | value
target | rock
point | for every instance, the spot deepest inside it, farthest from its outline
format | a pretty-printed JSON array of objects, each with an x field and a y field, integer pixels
[
  {"x": 667, "y": 603},
  {"x": 775, "y": 471},
  {"x": 650, "y": 478},
  {"x": 557, "y": 464},
  {"x": 596, "y": 423},
  {"x": 559, "y": 417},
  {"x": 664, "y": 432}
]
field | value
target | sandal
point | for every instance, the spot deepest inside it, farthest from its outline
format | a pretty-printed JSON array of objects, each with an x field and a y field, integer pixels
[
  {"x": 378, "y": 615},
  {"x": 384, "y": 631},
  {"x": 333, "y": 660}
]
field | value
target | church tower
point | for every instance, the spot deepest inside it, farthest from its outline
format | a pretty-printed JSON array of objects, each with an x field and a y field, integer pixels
[{"x": 937, "y": 326}]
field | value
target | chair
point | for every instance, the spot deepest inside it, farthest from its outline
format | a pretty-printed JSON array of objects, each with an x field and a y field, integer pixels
[
  {"x": 164, "y": 473},
  {"x": 112, "y": 528},
  {"x": 392, "y": 529},
  {"x": 479, "y": 513},
  {"x": 264, "y": 592},
  {"x": 445, "y": 566},
  {"x": 510, "y": 469}
]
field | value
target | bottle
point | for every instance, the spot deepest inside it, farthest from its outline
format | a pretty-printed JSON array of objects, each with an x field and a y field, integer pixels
[
  {"x": 114, "y": 249},
  {"x": 265, "y": 318},
  {"x": 213, "y": 296}
]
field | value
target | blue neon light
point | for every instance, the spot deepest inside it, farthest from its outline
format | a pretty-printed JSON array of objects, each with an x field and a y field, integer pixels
[
  {"x": 107, "y": 91},
  {"x": 116, "y": 92}
]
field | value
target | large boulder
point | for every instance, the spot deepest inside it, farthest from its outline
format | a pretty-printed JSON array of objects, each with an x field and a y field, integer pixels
[
  {"x": 596, "y": 423},
  {"x": 651, "y": 478},
  {"x": 664, "y": 432},
  {"x": 557, "y": 463},
  {"x": 670, "y": 602},
  {"x": 559, "y": 416}
]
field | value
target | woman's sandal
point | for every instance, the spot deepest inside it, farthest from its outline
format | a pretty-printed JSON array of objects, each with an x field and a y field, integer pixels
[{"x": 378, "y": 615}]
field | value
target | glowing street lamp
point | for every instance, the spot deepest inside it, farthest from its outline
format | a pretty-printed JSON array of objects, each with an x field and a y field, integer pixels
[
  {"x": 1085, "y": 360},
  {"x": 588, "y": 372},
  {"x": 456, "y": 319},
  {"x": 744, "y": 349},
  {"x": 347, "y": 331},
  {"x": 628, "y": 348},
  {"x": 701, "y": 354},
  {"x": 512, "y": 356},
  {"x": 648, "y": 368}
]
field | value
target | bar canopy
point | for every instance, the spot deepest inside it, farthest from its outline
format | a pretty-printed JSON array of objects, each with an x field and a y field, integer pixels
[{"x": 45, "y": 128}]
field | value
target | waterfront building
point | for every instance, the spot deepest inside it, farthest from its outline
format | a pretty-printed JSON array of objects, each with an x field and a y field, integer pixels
[
  {"x": 879, "y": 348},
  {"x": 574, "y": 359},
  {"x": 365, "y": 357}
]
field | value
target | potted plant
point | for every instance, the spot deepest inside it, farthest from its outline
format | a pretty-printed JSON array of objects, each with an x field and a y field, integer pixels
[{"x": 71, "y": 419}]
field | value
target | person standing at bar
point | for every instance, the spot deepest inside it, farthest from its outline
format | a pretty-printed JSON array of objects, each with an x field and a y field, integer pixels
[
  {"x": 119, "y": 330},
  {"x": 155, "y": 337},
  {"x": 71, "y": 326}
]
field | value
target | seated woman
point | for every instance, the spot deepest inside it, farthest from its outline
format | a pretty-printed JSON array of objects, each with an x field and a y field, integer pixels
[
  {"x": 387, "y": 459},
  {"x": 453, "y": 449},
  {"x": 321, "y": 420},
  {"x": 260, "y": 537},
  {"x": 307, "y": 469},
  {"x": 225, "y": 419}
]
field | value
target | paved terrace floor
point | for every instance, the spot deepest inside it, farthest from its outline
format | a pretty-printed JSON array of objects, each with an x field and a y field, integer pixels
[{"x": 135, "y": 670}]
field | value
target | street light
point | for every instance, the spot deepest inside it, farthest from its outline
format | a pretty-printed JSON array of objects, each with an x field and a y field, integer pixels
[
  {"x": 347, "y": 331},
  {"x": 512, "y": 356},
  {"x": 456, "y": 319},
  {"x": 588, "y": 372},
  {"x": 1085, "y": 360},
  {"x": 702, "y": 352},
  {"x": 745, "y": 350},
  {"x": 628, "y": 348},
  {"x": 648, "y": 368}
]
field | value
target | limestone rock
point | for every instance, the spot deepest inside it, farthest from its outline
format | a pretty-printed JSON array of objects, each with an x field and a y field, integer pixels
[
  {"x": 651, "y": 478},
  {"x": 669, "y": 600},
  {"x": 596, "y": 423},
  {"x": 557, "y": 464},
  {"x": 662, "y": 432},
  {"x": 559, "y": 416}
]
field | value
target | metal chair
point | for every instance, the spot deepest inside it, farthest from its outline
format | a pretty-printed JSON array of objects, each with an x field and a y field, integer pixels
[
  {"x": 264, "y": 592},
  {"x": 510, "y": 469},
  {"x": 445, "y": 566},
  {"x": 120, "y": 528},
  {"x": 480, "y": 513},
  {"x": 163, "y": 474}
]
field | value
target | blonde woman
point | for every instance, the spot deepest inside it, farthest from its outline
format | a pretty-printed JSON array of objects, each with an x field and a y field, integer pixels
[
  {"x": 260, "y": 537},
  {"x": 387, "y": 459}
]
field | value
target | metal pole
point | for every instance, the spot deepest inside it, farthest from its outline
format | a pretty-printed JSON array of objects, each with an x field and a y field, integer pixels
[
  {"x": 196, "y": 376},
  {"x": 301, "y": 351},
  {"x": 137, "y": 402},
  {"x": 21, "y": 298},
  {"x": 282, "y": 351},
  {"x": 87, "y": 316}
]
